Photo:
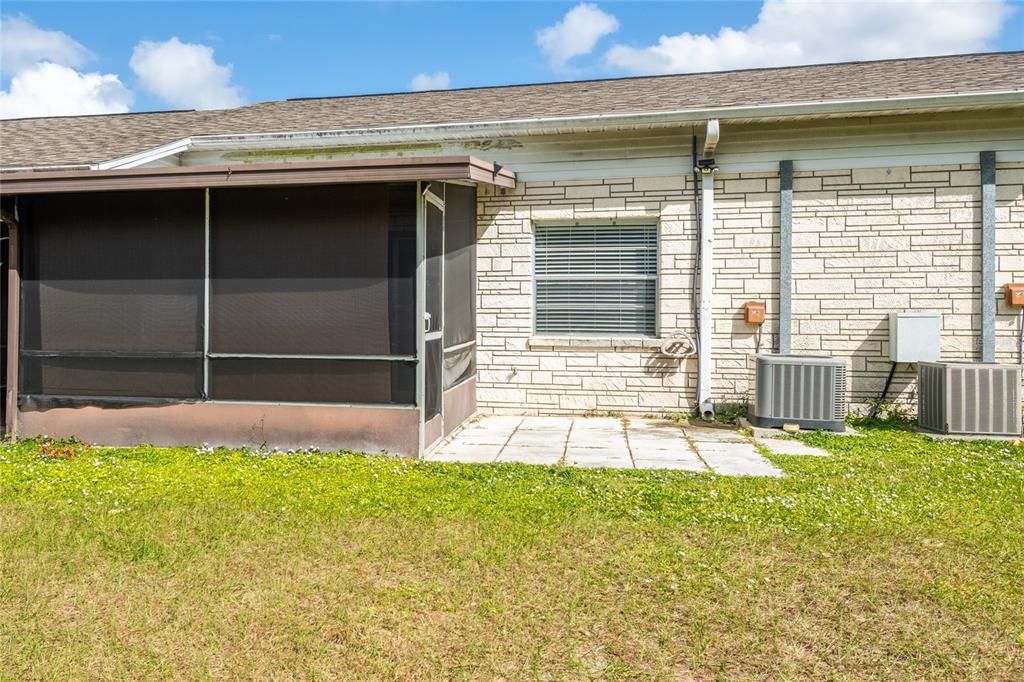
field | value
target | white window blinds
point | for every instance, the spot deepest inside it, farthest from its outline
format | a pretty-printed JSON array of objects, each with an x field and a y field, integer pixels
[{"x": 596, "y": 279}]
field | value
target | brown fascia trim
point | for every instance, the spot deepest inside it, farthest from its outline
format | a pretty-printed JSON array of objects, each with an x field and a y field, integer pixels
[{"x": 258, "y": 175}]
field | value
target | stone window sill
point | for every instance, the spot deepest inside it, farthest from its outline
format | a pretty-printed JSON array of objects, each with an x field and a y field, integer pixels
[{"x": 593, "y": 343}]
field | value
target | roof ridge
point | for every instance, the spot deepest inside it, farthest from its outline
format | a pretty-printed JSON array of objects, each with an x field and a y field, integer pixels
[{"x": 614, "y": 79}]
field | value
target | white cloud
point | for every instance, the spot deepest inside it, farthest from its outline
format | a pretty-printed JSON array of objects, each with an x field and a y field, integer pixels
[
  {"x": 431, "y": 81},
  {"x": 48, "y": 89},
  {"x": 45, "y": 80},
  {"x": 576, "y": 34},
  {"x": 794, "y": 32},
  {"x": 24, "y": 45},
  {"x": 185, "y": 75}
]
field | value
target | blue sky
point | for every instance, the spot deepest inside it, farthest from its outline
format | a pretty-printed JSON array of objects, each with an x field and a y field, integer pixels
[{"x": 243, "y": 52}]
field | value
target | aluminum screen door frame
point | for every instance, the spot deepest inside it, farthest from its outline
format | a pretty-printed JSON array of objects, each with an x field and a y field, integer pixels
[{"x": 424, "y": 334}]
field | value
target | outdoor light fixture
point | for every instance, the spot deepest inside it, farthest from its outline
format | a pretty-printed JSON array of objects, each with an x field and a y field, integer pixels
[{"x": 706, "y": 166}]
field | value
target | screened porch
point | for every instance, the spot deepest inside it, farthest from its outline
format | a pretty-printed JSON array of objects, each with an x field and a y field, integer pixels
[{"x": 333, "y": 310}]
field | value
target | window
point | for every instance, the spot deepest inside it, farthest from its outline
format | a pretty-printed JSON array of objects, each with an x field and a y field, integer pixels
[{"x": 596, "y": 279}]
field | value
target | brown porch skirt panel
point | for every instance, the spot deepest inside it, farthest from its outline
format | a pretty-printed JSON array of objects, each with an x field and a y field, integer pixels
[
  {"x": 459, "y": 405},
  {"x": 432, "y": 431},
  {"x": 361, "y": 429}
]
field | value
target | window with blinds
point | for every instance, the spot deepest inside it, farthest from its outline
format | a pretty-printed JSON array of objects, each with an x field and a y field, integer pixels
[{"x": 596, "y": 279}]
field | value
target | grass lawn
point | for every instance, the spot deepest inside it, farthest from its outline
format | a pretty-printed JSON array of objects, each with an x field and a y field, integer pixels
[{"x": 896, "y": 558}]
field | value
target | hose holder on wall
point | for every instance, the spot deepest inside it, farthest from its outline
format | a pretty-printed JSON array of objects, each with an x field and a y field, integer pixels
[{"x": 679, "y": 345}]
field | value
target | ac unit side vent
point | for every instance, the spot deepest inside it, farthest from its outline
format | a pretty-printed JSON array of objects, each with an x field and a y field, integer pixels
[
  {"x": 805, "y": 390},
  {"x": 965, "y": 398}
]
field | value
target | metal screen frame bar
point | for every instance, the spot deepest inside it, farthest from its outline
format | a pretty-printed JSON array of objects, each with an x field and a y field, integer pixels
[
  {"x": 421, "y": 310},
  {"x": 207, "y": 294},
  {"x": 300, "y": 356}
]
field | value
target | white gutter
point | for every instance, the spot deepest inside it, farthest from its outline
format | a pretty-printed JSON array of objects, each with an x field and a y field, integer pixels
[
  {"x": 707, "y": 277},
  {"x": 526, "y": 126},
  {"x": 55, "y": 167}
]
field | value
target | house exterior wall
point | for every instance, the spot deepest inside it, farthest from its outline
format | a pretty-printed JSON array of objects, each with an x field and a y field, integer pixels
[
  {"x": 866, "y": 241},
  {"x": 886, "y": 216}
]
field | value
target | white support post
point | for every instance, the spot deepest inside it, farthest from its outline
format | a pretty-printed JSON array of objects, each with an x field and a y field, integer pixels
[
  {"x": 421, "y": 309},
  {"x": 707, "y": 279},
  {"x": 206, "y": 294}
]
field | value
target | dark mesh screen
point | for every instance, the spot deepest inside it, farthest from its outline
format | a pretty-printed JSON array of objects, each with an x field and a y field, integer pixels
[
  {"x": 460, "y": 265},
  {"x": 459, "y": 365},
  {"x": 122, "y": 377},
  {"x": 432, "y": 377},
  {"x": 459, "y": 283},
  {"x": 434, "y": 259},
  {"x": 113, "y": 271},
  {"x": 313, "y": 270},
  {"x": 112, "y": 290},
  {"x": 317, "y": 381}
]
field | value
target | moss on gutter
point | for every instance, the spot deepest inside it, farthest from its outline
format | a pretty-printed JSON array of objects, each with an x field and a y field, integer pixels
[{"x": 307, "y": 154}]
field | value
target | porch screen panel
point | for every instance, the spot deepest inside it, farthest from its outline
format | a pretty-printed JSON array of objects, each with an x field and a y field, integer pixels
[
  {"x": 459, "y": 284},
  {"x": 314, "y": 381},
  {"x": 312, "y": 271},
  {"x": 112, "y": 296}
]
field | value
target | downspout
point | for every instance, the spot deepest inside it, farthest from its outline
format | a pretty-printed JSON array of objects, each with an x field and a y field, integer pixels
[
  {"x": 785, "y": 257},
  {"x": 705, "y": 166},
  {"x": 988, "y": 256}
]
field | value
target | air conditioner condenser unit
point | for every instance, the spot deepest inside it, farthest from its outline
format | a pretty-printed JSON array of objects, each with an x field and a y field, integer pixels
[
  {"x": 800, "y": 389},
  {"x": 969, "y": 398}
]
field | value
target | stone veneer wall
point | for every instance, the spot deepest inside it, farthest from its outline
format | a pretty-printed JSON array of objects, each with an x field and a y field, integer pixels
[{"x": 866, "y": 241}]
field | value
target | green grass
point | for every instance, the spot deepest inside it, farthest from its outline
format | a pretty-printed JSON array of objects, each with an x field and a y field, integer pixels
[{"x": 896, "y": 558}]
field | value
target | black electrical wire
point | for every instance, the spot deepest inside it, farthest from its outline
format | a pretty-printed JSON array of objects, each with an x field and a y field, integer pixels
[
  {"x": 885, "y": 392},
  {"x": 694, "y": 305}
]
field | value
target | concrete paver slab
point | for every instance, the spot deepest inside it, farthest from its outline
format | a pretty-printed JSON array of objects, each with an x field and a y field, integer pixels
[
  {"x": 599, "y": 462},
  {"x": 713, "y": 435},
  {"x": 606, "y": 442},
  {"x": 737, "y": 459},
  {"x": 538, "y": 439}
]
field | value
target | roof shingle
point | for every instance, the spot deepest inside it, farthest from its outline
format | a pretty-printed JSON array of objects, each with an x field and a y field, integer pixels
[{"x": 92, "y": 139}]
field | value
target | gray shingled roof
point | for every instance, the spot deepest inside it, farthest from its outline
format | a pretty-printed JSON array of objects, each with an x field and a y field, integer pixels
[{"x": 91, "y": 139}]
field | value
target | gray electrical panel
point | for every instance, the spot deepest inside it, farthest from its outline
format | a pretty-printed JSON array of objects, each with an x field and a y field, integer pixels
[{"x": 915, "y": 337}]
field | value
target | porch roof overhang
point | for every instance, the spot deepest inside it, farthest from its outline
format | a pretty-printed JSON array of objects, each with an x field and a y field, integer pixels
[{"x": 465, "y": 168}]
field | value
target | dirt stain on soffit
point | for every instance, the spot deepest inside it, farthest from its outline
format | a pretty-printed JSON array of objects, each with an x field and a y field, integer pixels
[{"x": 397, "y": 150}]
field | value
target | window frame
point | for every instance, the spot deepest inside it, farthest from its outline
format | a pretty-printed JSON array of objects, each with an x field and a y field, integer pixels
[{"x": 651, "y": 223}]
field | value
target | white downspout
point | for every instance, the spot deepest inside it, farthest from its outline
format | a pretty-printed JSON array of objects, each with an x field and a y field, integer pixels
[{"x": 706, "y": 167}]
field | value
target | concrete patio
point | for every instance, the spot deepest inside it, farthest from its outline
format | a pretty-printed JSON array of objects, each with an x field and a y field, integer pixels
[{"x": 613, "y": 443}]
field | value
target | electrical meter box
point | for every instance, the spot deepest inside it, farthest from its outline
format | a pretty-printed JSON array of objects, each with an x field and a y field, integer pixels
[
  {"x": 1015, "y": 294},
  {"x": 914, "y": 337},
  {"x": 753, "y": 312}
]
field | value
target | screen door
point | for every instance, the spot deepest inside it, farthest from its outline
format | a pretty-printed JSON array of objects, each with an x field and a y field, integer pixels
[{"x": 433, "y": 317}]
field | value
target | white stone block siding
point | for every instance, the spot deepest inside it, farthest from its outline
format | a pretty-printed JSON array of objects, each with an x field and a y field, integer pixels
[
  {"x": 522, "y": 373},
  {"x": 866, "y": 242}
]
